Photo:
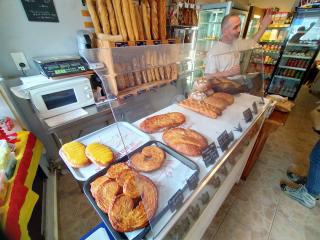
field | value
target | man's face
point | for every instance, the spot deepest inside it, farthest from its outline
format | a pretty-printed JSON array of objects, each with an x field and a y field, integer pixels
[{"x": 232, "y": 29}]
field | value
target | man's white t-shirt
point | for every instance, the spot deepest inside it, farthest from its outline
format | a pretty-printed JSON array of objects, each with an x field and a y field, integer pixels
[{"x": 222, "y": 56}]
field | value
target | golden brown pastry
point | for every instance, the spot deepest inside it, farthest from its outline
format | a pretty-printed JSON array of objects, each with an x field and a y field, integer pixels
[
  {"x": 150, "y": 159},
  {"x": 162, "y": 121},
  {"x": 94, "y": 186},
  {"x": 127, "y": 19},
  {"x": 94, "y": 16},
  {"x": 185, "y": 141},
  {"x": 74, "y": 153},
  {"x": 224, "y": 96},
  {"x": 112, "y": 18},
  {"x": 124, "y": 175},
  {"x": 106, "y": 193},
  {"x": 140, "y": 26},
  {"x": 162, "y": 19},
  {"x": 216, "y": 102},
  {"x": 133, "y": 20},
  {"x": 99, "y": 154},
  {"x": 114, "y": 171},
  {"x": 154, "y": 19},
  {"x": 198, "y": 96},
  {"x": 103, "y": 16},
  {"x": 201, "y": 107},
  {"x": 146, "y": 18},
  {"x": 119, "y": 19}
]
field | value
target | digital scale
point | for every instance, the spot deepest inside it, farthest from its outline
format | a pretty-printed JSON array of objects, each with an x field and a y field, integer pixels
[{"x": 55, "y": 67}]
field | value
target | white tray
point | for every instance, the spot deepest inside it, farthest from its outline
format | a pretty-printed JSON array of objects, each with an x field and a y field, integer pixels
[{"x": 110, "y": 136}]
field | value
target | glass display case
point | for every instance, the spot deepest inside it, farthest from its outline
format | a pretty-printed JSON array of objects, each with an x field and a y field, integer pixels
[
  {"x": 299, "y": 53},
  {"x": 175, "y": 156}
]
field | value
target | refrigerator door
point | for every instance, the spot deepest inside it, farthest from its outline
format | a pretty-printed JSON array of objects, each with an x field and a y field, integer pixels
[
  {"x": 300, "y": 51},
  {"x": 253, "y": 23}
]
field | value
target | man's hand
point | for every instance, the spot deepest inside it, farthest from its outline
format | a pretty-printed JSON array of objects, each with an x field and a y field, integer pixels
[{"x": 267, "y": 19}]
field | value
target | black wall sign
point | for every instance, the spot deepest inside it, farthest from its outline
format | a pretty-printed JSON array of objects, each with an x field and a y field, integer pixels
[
  {"x": 248, "y": 115},
  {"x": 210, "y": 154},
  {"x": 40, "y": 10}
]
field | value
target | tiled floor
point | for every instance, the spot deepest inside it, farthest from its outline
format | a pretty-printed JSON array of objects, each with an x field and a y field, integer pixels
[{"x": 255, "y": 209}]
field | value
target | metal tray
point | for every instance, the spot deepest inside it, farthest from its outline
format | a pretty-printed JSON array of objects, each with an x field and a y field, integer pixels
[
  {"x": 168, "y": 199},
  {"x": 110, "y": 136}
]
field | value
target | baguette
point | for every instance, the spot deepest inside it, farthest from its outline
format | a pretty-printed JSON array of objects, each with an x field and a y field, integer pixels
[
  {"x": 144, "y": 72},
  {"x": 154, "y": 20},
  {"x": 139, "y": 22},
  {"x": 137, "y": 74},
  {"x": 103, "y": 16},
  {"x": 155, "y": 65},
  {"x": 133, "y": 20},
  {"x": 146, "y": 18},
  {"x": 161, "y": 68},
  {"x": 119, "y": 78},
  {"x": 127, "y": 19},
  {"x": 94, "y": 16},
  {"x": 162, "y": 19},
  {"x": 112, "y": 18},
  {"x": 119, "y": 19}
]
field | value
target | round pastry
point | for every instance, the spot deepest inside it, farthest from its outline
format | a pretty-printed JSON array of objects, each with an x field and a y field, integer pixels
[
  {"x": 198, "y": 96},
  {"x": 99, "y": 154},
  {"x": 124, "y": 175},
  {"x": 74, "y": 153},
  {"x": 114, "y": 171},
  {"x": 106, "y": 193},
  {"x": 201, "y": 85},
  {"x": 217, "y": 102},
  {"x": 185, "y": 141},
  {"x": 94, "y": 186},
  {"x": 224, "y": 96},
  {"x": 150, "y": 159}
]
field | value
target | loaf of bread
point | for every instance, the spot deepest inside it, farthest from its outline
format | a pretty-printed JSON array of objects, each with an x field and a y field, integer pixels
[
  {"x": 94, "y": 16},
  {"x": 133, "y": 19},
  {"x": 103, "y": 16},
  {"x": 161, "y": 122},
  {"x": 146, "y": 18},
  {"x": 162, "y": 19},
  {"x": 226, "y": 85},
  {"x": 119, "y": 19},
  {"x": 138, "y": 11},
  {"x": 154, "y": 19},
  {"x": 228, "y": 98},
  {"x": 185, "y": 141},
  {"x": 217, "y": 102},
  {"x": 127, "y": 19},
  {"x": 112, "y": 18},
  {"x": 201, "y": 107}
]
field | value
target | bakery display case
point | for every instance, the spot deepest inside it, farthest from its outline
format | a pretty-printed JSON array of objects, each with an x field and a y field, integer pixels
[{"x": 176, "y": 148}]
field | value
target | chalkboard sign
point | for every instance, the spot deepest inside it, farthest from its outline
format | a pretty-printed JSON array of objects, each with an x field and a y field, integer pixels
[
  {"x": 210, "y": 154},
  {"x": 224, "y": 140},
  {"x": 248, "y": 115},
  {"x": 40, "y": 10}
]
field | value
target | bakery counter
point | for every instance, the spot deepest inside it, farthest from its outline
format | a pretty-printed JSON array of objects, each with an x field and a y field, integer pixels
[{"x": 217, "y": 179}]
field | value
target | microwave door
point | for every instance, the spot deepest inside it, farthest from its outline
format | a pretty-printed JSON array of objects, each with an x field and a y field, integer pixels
[{"x": 59, "y": 99}]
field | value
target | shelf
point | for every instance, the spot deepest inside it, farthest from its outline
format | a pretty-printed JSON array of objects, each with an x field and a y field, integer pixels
[
  {"x": 294, "y": 68},
  {"x": 301, "y": 45},
  {"x": 296, "y": 56},
  {"x": 271, "y": 64},
  {"x": 271, "y": 52},
  {"x": 289, "y": 78},
  {"x": 279, "y": 27}
]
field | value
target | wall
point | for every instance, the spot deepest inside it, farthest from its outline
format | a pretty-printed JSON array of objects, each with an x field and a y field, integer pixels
[
  {"x": 37, "y": 38},
  {"x": 284, "y": 5}
]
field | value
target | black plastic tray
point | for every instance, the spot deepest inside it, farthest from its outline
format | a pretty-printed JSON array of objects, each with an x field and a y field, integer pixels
[{"x": 174, "y": 203}]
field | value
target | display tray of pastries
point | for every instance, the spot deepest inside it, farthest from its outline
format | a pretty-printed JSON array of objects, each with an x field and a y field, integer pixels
[{"x": 126, "y": 194}]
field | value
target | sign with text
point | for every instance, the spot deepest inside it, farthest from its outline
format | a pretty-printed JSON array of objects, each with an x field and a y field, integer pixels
[
  {"x": 254, "y": 108},
  {"x": 248, "y": 115},
  {"x": 40, "y": 10},
  {"x": 210, "y": 154},
  {"x": 224, "y": 140}
]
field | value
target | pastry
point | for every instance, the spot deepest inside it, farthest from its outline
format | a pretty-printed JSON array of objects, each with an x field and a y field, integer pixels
[
  {"x": 201, "y": 85},
  {"x": 198, "y": 96},
  {"x": 154, "y": 19},
  {"x": 185, "y": 141},
  {"x": 162, "y": 19},
  {"x": 106, "y": 193},
  {"x": 112, "y": 17},
  {"x": 74, "y": 153},
  {"x": 114, "y": 171},
  {"x": 225, "y": 96},
  {"x": 99, "y": 154},
  {"x": 139, "y": 22},
  {"x": 94, "y": 186},
  {"x": 201, "y": 107},
  {"x": 162, "y": 121},
  {"x": 127, "y": 19},
  {"x": 146, "y": 18},
  {"x": 123, "y": 215},
  {"x": 119, "y": 19},
  {"x": 226, "y": 85},
  {"x": 124, "y": 175},
  {"x": 216, "y": 102},
  {"x": 103, "y": 16},
  {"x": 150, "y": 159},
  {"x": 94, "y": 16},
  {"x": 133, "y": 20}
]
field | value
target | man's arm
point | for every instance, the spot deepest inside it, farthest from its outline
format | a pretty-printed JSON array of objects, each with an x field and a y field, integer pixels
[
  {"x": 267, "y": 19},
  {"x": 235, "y": 70}
]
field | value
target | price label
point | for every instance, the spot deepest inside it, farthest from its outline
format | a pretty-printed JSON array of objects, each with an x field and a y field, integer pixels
[
  {"x": 224, "y": 140},
  {"x": 254, "y": 108},
  {"x": 121, "y": 44},
  {"x": 186, "y": 5},
  {"x": 210, "y": 154},
  {"x": 192, "y": 5},
  {"x": 248, "y": 115},
  {"x": 176, "y": 201},
  {"x": 141, "y": 43},
  {"x": 193, "y": 181},
  {"x": 180, "y": 4},
  {"x": 156, "y": 42}
]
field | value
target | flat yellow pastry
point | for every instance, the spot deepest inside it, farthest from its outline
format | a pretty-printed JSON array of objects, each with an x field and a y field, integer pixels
[
  {"x": 99, "y": 154},
  {"x": 74, "y": 153}
]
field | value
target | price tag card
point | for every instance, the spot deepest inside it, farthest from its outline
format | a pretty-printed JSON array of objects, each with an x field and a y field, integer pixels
[
  {"x": 210, "y": 154},
  {"x": 192, "y": 5},
  {"x": 176, "y": 201},
  {"x": 198, "y": 7},
  {"x": 224, "y": 140},
  {"x": 141, "y": 43},
  {"x": 121, "y": 44},
  {"x": 254, "y": 108},
  {"x": 248, "y": 115},
  {"x": 156, "y": 42},
  {"x": 186, "y": 5}
]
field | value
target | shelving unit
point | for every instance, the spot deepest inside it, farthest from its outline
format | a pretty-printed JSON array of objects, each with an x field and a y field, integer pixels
[
  {"x": 297, "y": 56},
  {"x": 293, "y": 68}
]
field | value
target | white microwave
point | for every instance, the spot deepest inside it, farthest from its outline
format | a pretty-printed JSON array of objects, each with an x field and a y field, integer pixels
[{"x": 61, "y": 96}]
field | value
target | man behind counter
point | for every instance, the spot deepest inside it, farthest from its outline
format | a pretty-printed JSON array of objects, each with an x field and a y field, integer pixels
[{"x": 223, "y": 59}]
